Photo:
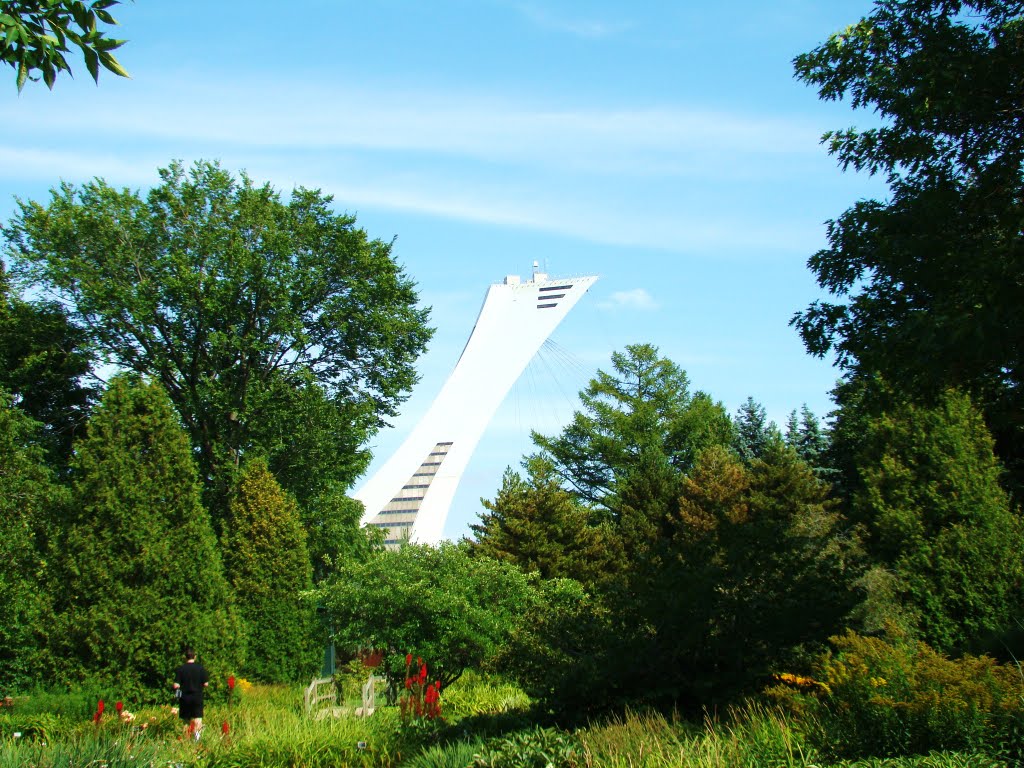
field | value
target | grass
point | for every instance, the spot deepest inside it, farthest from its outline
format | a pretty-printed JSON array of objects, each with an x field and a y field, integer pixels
[{"x": 487, "y": 726}]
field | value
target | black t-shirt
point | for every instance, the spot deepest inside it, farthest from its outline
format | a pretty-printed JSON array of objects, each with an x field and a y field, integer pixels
[{"x": 191, "y": 676}]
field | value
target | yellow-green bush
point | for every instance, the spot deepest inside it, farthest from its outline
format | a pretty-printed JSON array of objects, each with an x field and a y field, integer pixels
[{"x": 903, "y": 698}]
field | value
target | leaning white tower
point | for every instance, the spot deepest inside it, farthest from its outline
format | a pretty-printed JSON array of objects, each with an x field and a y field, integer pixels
[{"x": 411, "y": 493}]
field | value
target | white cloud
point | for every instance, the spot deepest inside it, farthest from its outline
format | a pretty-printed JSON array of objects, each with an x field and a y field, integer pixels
[{"x": 635, "y": 299}]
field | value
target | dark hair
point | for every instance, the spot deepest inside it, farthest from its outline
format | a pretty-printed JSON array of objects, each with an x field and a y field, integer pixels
[{"x": 189, "y": 654}]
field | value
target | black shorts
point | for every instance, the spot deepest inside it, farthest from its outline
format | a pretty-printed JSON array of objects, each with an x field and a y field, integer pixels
[{"x": 190, "y": 705}]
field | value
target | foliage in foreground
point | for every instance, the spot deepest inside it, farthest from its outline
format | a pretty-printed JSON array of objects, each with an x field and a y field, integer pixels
[
  {"x": 267, "y": 727},
  {"x": 438, "y": 603},
  {"x": 896, "y": 698}
]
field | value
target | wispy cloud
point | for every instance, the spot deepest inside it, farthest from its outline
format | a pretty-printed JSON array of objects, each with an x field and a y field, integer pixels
[
  {"x": 591, "y": 28},
  {"x": 636, "y": 299},
  {"x": 659, "y": 140}
]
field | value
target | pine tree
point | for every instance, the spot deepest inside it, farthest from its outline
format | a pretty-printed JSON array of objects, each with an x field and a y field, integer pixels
[
  {"x": 267, "y": 564},
  {"x": 142, "y": 574}
]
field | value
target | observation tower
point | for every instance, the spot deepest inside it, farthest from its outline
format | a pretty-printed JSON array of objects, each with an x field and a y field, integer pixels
[{"x": 409, "y": 496}]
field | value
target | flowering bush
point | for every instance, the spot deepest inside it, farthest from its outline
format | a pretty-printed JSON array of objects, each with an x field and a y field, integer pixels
[{"x": 889, "y": 699}]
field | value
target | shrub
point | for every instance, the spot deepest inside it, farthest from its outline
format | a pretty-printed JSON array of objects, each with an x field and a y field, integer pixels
[
  {"x": 536, "y": 748},
  {"x": 890, "y": 699}
]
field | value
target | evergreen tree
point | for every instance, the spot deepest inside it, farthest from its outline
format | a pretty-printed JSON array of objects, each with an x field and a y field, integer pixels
[
  {"x": 28, "y": 499},
  {"x": 940, "y": 522},
  {"x": 142, "y": 576},
  {"x": 267, "y": 564},
  {"x": 752, "y": 431},
  {"x": 539, "y": 526}
]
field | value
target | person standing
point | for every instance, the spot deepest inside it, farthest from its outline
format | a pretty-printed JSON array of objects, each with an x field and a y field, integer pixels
[{"x": 191, "y": 679}]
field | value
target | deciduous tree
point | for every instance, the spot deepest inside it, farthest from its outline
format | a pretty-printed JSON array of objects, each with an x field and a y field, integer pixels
[
  {"x": 441, "y": 604},
  {"x": 34, "y": 36},
  {"x": 928, "y": 282},
  {"x": 277, "y": 327}
]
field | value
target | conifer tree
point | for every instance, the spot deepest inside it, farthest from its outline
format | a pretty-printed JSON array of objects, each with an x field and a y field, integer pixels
[
  {"x": 143, "y": 577},
  {"x": 753, "y": 432},
  {"x": 28, "y": 499},
  {"x": 539, "y": 526},
  {"x": 939, "y": 521},
  {"x": 267, "y": 564}
]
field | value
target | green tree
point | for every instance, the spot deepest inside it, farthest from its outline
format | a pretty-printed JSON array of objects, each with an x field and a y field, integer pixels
[
  {"x": 44, "y": 362},
  {"x": 34, "y": 36},
  {"x": 539, "y": 526},
  {"x": 640, "y": 430},
  {"x": 929, "y": 280},
  {"x": 441, "y": 604},
  {"x": 333, "y": 524},
  {"x": 938, "y": 520},
  {"x": 141, "y": 574},
  {"x": 752, "y": 431},
  {"x": 277, "y": 328},
  {"x": 267, "y": 565},
  {"x": 29, "y": 501},
  {"x": 757, "y": 571}
]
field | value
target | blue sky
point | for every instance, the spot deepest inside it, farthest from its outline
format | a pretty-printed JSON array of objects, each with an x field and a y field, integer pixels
[{"x": 663, "y": 145}]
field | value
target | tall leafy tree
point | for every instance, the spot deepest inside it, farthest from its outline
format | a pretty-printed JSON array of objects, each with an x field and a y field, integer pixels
[
  {"x": 939, "y": 522},
  {"x": 45, "y": 363},
  {"x": 277, "y": 327},
  {"x": 267, "y": 565},
  {"x": 30, "y": 500},
  {"x": 141, "y": 573},
  {"x": 928, "y": 282},
  {"x": 34, "y": 36}
]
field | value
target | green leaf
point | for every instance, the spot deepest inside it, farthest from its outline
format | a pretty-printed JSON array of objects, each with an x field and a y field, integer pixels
[
  {"x": 92, "y": 63},
  {"x": 112, "y": 64},
  {"x": 22, "y": 75}
]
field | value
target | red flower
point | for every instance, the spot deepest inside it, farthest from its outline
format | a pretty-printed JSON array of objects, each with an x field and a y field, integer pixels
[
  {"x": 99, "y": 712},
  {"x": 231, "y": 684},
  {"x": 408, "y": 682},
  {"x": 408, "y": 659},
  {"x": 423, "y": 673},
  {"x": 99, "y": 707},
  {"x": 119, "y": 706},
  {"x": 437, "y": 684},
  {"x": 224, "y": 726}
]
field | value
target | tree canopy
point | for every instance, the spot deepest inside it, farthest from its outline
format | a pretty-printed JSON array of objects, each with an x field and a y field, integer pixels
[
  {"x": 34, "y": 36},
  {"x": 276, "y": 327},
  {"x": 928, "y": 282}
]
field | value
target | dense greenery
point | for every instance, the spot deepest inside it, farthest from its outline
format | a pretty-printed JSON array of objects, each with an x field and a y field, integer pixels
[
  {"x": 34, "y": 36},
  {"x": 137, "y": 564},
  {"x": 438, "y": 604},
  {"x": 44, "y": 363},
  {"x": 928, "y": 281},
  {"x": 29, "y": 499},
  {"x": 277, "y": 328},
  {"x": 267, "y": 565}
]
